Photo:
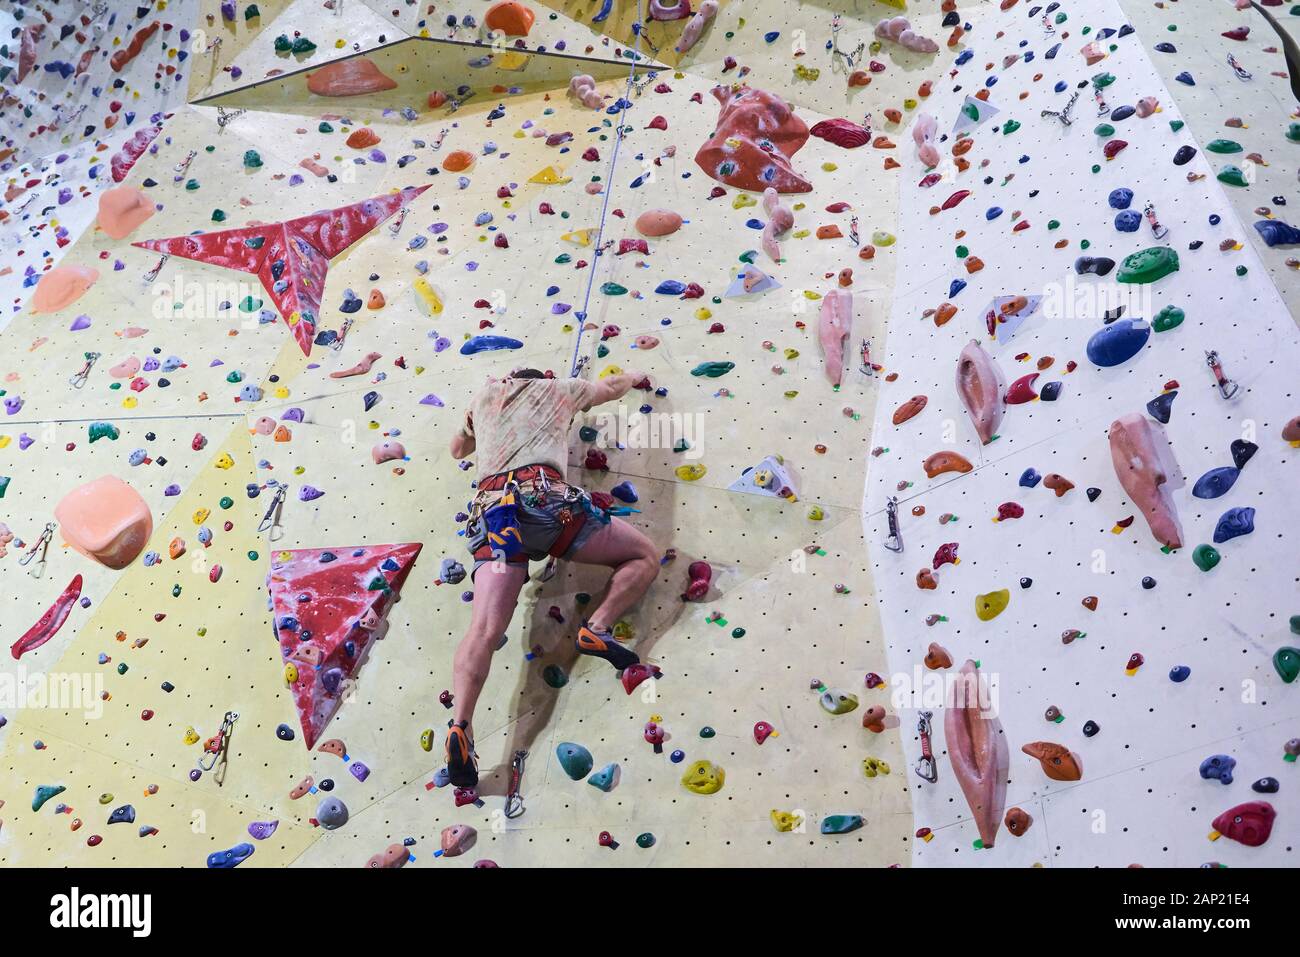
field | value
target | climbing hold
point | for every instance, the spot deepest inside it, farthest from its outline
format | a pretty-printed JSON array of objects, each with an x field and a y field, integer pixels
[
  {"x": 1057, "y": 761},
  {"x": 841, "y": 823},
  {"x": 574, "y": 759},
  {"x": 1250, "y": 823},
  {"x": 941, "y": 462},
  {"x": 1148, "y": 265},
  {"x": 231, "y": 857},
  {"x": 1118, "y": 342},
  {"x": 1233, "y": 523},
  {"x": 989, "y": 606},
  {"x": 1205, "y": 557},
  {"x": 704, "y": 777},
  {"x": 838, "y": 701},
  {"x": 1218, "y": 767},
  {"x": 1286, "y": 661}
]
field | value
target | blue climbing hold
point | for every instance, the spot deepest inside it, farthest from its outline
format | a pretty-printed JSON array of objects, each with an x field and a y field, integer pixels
[
  {"x": 1218, "y": 767},
  {"x": 957, "y": 286},
  {"x": 1216, "y": 482},
  {"x": 1234, "y": 523},
  {"x": 1029, "y": 478},
  {"x": 1179, "y": 673},
  {"x": 1050, "y": 392},
  {"x": 1128, "y": 221},
  {"x": 1166, "y": 47},
  {"x": 1162, "y": 405},
  {"x": 1186, "y": 78},
  {"x": 670, "y": 287},
  {"x": 993, "y": 213},
  {"x": 489, "y": 344},
  {"x": 232, "y": 857},
  {"x": 1118, "y": 342},
  {"x": 1121, "y": 113},
  {"x": 1274, "y": 232},
  {"x": 624, "y": 492},
  {"x": 604, "y": 778},
  {"x": 1121, "y": 198}
]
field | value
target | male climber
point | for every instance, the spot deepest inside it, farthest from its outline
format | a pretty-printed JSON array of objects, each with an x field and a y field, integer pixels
[{"x": 526, "y": 510}]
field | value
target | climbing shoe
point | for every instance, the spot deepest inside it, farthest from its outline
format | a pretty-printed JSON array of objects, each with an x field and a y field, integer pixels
[
  {"x": 462, "y": 765},
  {"x": 601, "y": 644}
]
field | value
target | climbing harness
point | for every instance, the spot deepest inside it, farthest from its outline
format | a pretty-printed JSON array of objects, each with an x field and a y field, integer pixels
[
  {"x": 926, "y": 769},
  {"x": 1227, "y": 388},
  {"x": 895, "y": 540},
  {"x": 271, "y": 520},
  {"x": 39, "y": 547},
  {"x": 216, "y": 745},
  {"x": 515, "y": 799},
  {"x": 79, "y": 380}
]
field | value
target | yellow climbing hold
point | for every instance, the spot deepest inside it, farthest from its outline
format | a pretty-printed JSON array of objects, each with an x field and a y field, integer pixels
[
  {"x": 282, "y": 392},
  {"x": 4, "y": 441},
  {"x": 201, "y": 516},
  {"x": 290, "y": 673},
  {"x": 130, "y": 402},
  {"x": 703, "y": 313},
  {"x": 791, "y": 354},
  {"x": 830, "y": 167},
  {"x": 988, "y": 607},
  {"x": 704, "y": 777},
  {"x": 608, "y": 371},
  {"x": 580, "y": 237},
  {"x": 802, "y": 233},
  {"x": 742, "y": 200},
  {"x": 816, "y": 513},
  {"x": 550, "y": 176},
  {"x": 191, "y": 736},
  {"x": 431, "y": 298},
  {"x": 785, "y": 821},
  {"x": 689, "y": 473},
  {"x": 224, "y": 461}
]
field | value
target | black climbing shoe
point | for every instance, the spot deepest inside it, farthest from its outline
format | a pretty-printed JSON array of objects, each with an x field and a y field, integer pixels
[
  {"x": 462, "y": 765},
  {"x": 602, "y": 645}
]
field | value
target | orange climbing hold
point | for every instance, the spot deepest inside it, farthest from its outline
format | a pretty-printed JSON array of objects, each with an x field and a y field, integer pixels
[
  {"x": 362, "y": 138},
  {"x": 509, "y": 17},
  {"x": 376, "y": 300},
  {"x": 458, "y": 161},
  {"x": 941, "y": 462}
]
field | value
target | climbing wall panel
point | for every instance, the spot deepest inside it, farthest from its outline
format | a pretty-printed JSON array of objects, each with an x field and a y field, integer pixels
[{"x": 1068, "y": 553}]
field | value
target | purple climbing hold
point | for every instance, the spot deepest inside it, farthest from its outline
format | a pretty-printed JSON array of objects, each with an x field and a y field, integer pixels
[{"x": 309, "y": 493}]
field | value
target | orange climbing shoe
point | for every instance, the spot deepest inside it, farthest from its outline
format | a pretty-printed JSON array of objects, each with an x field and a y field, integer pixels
[
  {"x": 601, "y": 644},
  {"x": 462, "y": 765}
]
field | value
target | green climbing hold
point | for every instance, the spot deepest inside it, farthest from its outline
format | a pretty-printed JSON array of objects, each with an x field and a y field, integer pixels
[
  {"x": 1085, "y": 243},
  {"x": 283, "y": 44},
  {"x": 602, "y": 351},
  {"x": 252, "y": 160},
  {"x": 1104, "y": 129},
  {"x": 103, "y": 430},
  {"x": 191, "y": 184},
  {"x": 1206, "y": 557},
  {"x": 251, "y": 12},
  {"x": 252, "y": 556},
  {"x": 1293, "y": 132},
  {"x": 1170, "y": 317},
  {"x": 44, "y": 792},
  {"x": 122, "y": 668},
  {"x": 4, "y": 484},
  {"x": 379, "y": 583},
  {"x": 1287, "y": 662},
  {"x": 226, "y": 502},
  {"x": 248, "y": 304},
  {"x": 1053, "y": 224},
  {"x": 1103, "y": 80},
  {"x": 1295, "y": 624},
  {"x": 613, "y": 289},
  {"x": 1147, "y": 265},
  {"x": 554, "y": 676},
  {"x": 738, "y": 633},
  {"x": 1242, "y": 270},
  {"x": 746, "y": 257},
  {"x": 302, "y": 45},
  {"x": 574, "y": 759},
  {"x": 707, "y": 732},
  {"x": 1096, "y": 167},
  {"x": 234, "y": 376},
  {"x": 324, "y": 127},
  {"x": 645, "y": 840},
  {"x": 1176, "y": 125},
  {"x": 588, "y": 434},
  {"x": 1223, "y": 146},
  {"x": 1232, "y": 176},
  {"x": 681, "y": 445},
  {"x": 218, "y": 215},
  {"x": 582, "y": 598},
  {"x": 1010, "y": 126},
  {"x": 962, "y": 252},
  {"x": 604, "y": 778},
  {"x": 841, "y": 823},
  {"x": 712, "y": 369}
]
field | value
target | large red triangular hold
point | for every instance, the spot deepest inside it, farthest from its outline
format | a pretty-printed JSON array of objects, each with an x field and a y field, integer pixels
[
  {"x": 329, "y": 606},
  {"x": 291, "y": 258}
]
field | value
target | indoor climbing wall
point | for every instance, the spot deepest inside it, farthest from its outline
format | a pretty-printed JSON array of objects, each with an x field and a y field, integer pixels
[
  {"x": 1151, "y": 668},
  {"x": 253, "y": 352}
]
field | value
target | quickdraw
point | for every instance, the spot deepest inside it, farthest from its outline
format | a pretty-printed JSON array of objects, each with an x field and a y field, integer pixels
[
  {"x": 1227, "y": 388},
  {"x": 926, "y": 769},
  {"x": 214, "y": 749},
  {"x": 515, "y": 799},
  {"x": 39, "y": 547},
  {"x": 271, "y": 520},
  {"x": 895, "y": 540},
  {"x": 79, "y": 380}
]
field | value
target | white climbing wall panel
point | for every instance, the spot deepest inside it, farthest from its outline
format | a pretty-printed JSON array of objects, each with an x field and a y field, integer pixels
[{"x": 1141, "y": 799}]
